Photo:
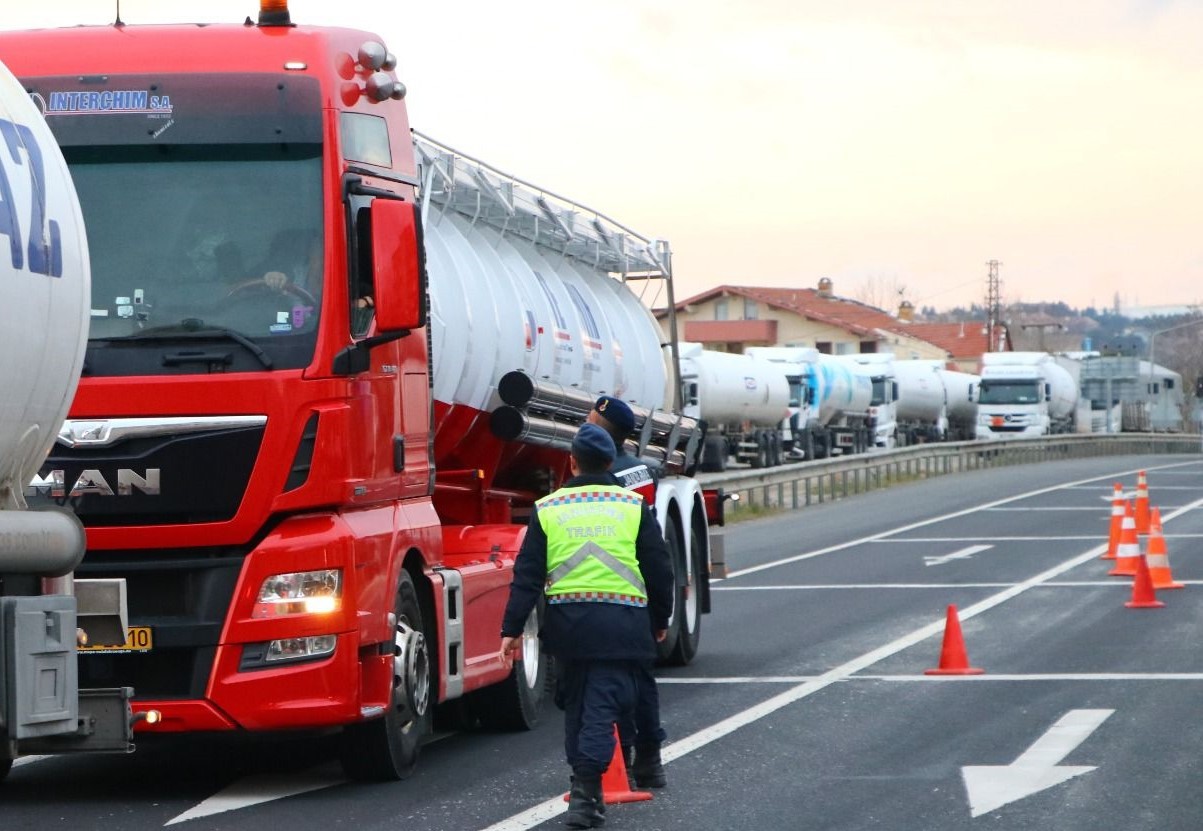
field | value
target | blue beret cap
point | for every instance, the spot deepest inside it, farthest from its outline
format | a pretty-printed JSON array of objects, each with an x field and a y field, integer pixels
[
  {"x": 616, "y": 411},
  {"x": 593, "y": 442}
]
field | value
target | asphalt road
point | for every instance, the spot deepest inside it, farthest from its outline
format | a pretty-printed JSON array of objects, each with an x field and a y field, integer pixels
[{"x": 808, "y": 706}]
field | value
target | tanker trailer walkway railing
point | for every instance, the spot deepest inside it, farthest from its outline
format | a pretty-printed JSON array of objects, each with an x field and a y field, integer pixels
[{"x": 807, "y": 483}]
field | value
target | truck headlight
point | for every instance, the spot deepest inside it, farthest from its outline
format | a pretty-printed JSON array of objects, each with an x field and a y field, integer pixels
[{"x": 300, "y": 593}]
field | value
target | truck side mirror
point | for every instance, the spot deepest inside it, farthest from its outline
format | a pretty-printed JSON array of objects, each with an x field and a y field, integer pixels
[
  {"x": 970, "y": 397},
  {"x": 398, "y": 266},
  {"x": 1048, "y": 392}
]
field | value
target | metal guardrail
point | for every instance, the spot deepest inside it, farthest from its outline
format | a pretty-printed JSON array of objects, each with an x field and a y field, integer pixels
[{"x": 808, "y": 483}]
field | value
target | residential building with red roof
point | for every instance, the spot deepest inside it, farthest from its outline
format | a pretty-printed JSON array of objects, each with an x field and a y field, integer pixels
[{"x": 731, "y": 318}]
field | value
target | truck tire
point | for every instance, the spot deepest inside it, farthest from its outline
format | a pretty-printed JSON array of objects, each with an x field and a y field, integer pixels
[
  {"x": 684, "y": 627},
  {"x": 761, "y": 459},
  {"x": 387, "y": 748},
  {"x": 514, "y": 703},
  {"x": 689, "y": 601},
  {"x": 714, "y": 454}
]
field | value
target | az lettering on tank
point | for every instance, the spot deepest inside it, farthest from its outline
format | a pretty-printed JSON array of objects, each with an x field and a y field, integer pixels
[{"x": 21, "y": 155}]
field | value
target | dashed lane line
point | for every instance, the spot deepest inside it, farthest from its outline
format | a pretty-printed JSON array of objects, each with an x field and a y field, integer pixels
[
  {"x": 933, "y": 520},
  {"x": 556, "y": 806},
  {"x": 1126, "y": 585},
  {"x": 944, "y": 679}
]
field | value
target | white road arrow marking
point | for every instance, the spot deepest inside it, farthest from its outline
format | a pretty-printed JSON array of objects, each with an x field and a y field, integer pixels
[
  {"x": 956, "y": 555},
  {"x": 254, "y": 790},
  {"x": 991, "y": 787}
]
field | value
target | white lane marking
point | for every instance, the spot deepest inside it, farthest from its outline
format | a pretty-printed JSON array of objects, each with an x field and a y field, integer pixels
[
  {"x": 962, "y": 554},
  {"x": 936, "y": 519},
  {"x": 1086, "y": 537},
  {"x": 998, "y": 585},
  {"x": 1047, "y": 509},
  {"x": 28, "y": 760},
  {"x": 254, "y": 790},
  {"x": 992, "y": 539},
  {"x": 555, "y": 806},
  {"x": 943, "y": 679},
  {"x": 902, "y": 529},
  {"x": 1037, "y": 768}
]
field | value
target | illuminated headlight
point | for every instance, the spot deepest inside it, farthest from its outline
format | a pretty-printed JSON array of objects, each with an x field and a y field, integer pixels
[
  {"x": 286, "y": 650},
  {"x": 300, "y": 593},
  {"x": 294, "y": 649}
]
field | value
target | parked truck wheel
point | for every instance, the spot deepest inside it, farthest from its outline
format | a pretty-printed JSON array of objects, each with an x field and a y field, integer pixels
[
  {"x": 684, "y": 627},
  {"x": 714, "y": 454},
  {"x": 689, "y": 602},
  {"x": 387, "y": 748},
  {"x": 514, "y": 703},
  {"x": 763, "y": 454}
]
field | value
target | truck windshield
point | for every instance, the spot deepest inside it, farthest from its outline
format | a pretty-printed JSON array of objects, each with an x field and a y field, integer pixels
[
  {"x": 202, "y": 198},
  {"x": 229, "y": 239},
  {"x": 1010, "y": 392},
  {"x": 880, "y": 394}
]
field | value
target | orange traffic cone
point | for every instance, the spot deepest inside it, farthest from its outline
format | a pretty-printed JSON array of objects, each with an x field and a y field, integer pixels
[
  {"x": 953, "y": 658},
  {"x": 1158, "y": 557},
  {"x": 1117, "y": 521},
  {"x": 615, "y": 785},
  {"x": 1128, "y": 551},
  {"x": 1142, "y": 503},
  {"x": 1143, "y": 595}
]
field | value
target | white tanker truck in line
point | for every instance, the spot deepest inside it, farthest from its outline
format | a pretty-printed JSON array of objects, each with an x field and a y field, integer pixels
[
  {"x": 745, "y": 402},
  {"x": 44, "y": 309},
  {"x": 1025, "y": 394},
  {"x": 934, "y": 403},
  {"x": 776, "y": 404}
]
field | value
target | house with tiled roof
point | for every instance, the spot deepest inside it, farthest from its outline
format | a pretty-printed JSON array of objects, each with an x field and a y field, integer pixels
[
  {"x": 964, "y": 342},
  {"x": 731, "y": 318}
]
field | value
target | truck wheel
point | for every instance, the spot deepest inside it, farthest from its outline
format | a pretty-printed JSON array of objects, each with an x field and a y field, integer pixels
[
  {"x": 714, "y": 454},
  {"x": 761, "y": 459},
  {"x": 689, "y": 601},
  {"x": 387, "y": 748},
  {"x": 514, "y": 703},
  {"x": 667, "y": 647}
]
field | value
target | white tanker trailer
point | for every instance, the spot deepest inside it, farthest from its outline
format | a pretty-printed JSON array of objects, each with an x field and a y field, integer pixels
[
  {"x": 934, "y": 403},
  {"x": 744, "y": 401},
  {"x": 830, "y": 399},
  {"x": 45, "y": 289}
]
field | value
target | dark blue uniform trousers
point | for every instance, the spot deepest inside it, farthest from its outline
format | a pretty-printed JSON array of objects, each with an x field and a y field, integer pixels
[
  {"x": 595, "y": 696},
  {"x": 644, "y": 727}
]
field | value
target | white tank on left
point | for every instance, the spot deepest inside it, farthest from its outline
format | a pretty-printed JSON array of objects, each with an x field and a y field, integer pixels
[{"x": 45, "y": 290}]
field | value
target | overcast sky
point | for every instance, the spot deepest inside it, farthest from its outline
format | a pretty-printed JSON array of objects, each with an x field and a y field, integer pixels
[{"x": 883, "y": 143}]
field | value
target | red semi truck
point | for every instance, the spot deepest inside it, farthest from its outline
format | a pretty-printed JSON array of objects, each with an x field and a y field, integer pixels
[{"x": 331, "y": 364}]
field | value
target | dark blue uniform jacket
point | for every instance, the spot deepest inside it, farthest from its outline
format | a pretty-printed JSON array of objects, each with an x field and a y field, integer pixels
[{"x": 593, "y": 631}]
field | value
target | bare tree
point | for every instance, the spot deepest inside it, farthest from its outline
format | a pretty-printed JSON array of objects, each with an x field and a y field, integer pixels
[{"x": 880, "y": 291}]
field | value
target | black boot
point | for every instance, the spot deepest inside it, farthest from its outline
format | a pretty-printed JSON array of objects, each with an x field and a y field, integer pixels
[
  {"x": 586, "y": 805},
  {"x": 628, "y": 758},
  {"x": 648, "y": 770}
]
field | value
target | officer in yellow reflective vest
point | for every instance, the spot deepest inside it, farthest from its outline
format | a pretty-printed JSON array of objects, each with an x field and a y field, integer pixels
[
  {"x": 642, "y": 738},
  {"x": 594, "y": 550}
]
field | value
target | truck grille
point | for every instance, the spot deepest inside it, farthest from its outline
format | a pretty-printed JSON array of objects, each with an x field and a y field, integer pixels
[{"x": 183, "y": 597}]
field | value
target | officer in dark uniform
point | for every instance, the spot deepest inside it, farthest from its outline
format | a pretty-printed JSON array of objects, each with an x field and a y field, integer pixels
[
  {"x": 593, "y": 548},
  {"x": 642, "y": 738}
]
